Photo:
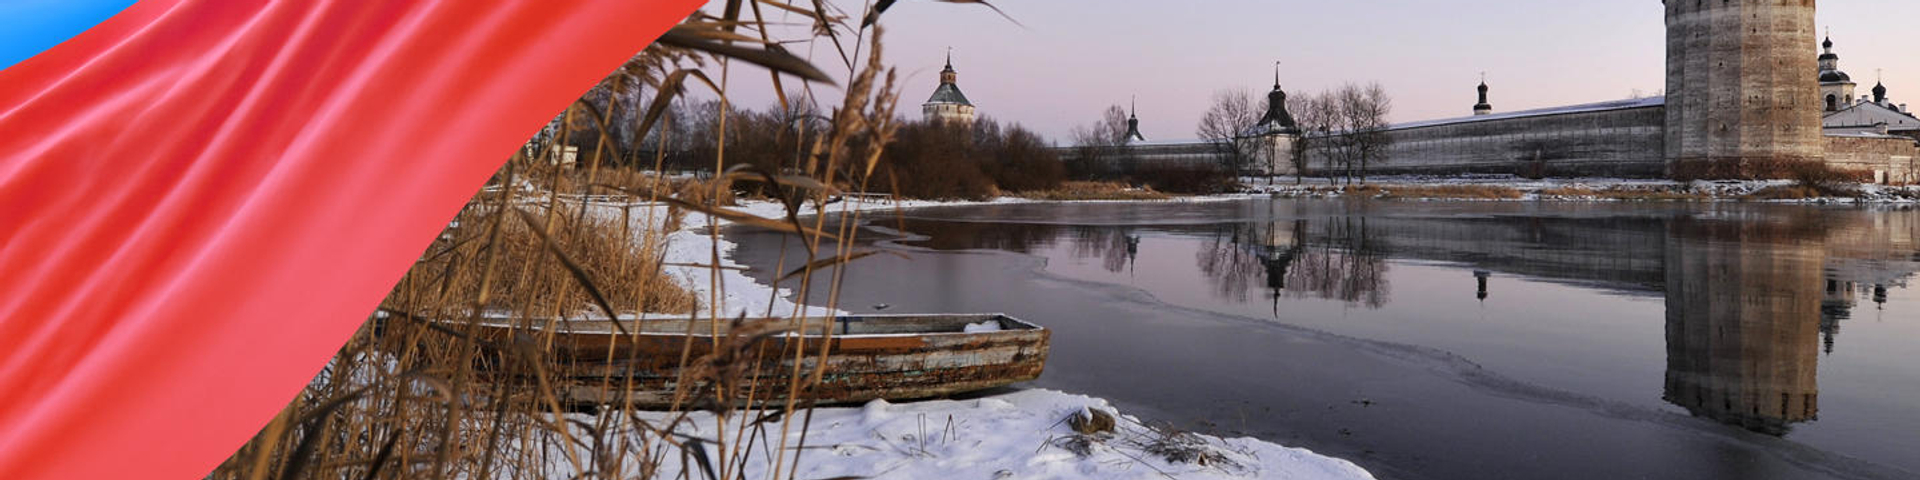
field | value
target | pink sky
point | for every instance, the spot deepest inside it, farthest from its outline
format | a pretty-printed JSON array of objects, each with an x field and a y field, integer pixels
[{"x": 1075, "y": 57}]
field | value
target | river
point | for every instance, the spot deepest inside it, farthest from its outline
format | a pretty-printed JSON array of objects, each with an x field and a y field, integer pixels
[{"x": 1451, "y": 340}]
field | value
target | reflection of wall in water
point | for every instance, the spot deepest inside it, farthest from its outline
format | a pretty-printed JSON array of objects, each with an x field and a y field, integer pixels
[{"x": 1743, "y": 324}]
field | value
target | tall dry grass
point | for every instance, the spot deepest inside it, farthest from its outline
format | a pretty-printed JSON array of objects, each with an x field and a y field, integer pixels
[{"x": 418, "y": 393}]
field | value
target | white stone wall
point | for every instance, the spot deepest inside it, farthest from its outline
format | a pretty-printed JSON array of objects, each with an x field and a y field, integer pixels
[{"x": 950, "y": 112}]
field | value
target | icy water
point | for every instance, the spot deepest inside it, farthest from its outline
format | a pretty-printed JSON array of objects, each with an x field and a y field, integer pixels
[{"x": 1454, "y": 340}]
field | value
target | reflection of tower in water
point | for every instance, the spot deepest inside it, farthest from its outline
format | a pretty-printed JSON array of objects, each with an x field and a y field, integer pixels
[
  {"x": 1837, "y": 305},
  {"x": 1743, "y": 320}
]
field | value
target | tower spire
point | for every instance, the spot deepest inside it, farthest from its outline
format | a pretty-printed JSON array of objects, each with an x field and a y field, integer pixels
[
  {"x": 1133, "y": 123},
  {"x": 1277, "y": 120},
  {"x": 948, "y": 75}
]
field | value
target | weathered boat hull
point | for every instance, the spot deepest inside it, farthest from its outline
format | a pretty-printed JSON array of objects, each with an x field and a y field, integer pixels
[{"x": 869, "y": 357}]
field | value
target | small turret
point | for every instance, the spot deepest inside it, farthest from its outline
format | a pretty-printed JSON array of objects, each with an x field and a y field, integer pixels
[
  {"x": 1836, "y": 87},
  {"x": 1483, "y": 108},
  {"x": 1133, "y": 125},
  {"x": 1277, "y": 120},
  {"x": 948, "y": 75}
]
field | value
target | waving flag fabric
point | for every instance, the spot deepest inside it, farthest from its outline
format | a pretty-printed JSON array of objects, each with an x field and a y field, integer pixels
[{"x": 200, "y": 200}]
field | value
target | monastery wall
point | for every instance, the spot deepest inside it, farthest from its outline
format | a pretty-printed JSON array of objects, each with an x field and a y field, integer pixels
[
  {"x": 1880, "y": 158},
  {"x": 1616, "y": 142}
]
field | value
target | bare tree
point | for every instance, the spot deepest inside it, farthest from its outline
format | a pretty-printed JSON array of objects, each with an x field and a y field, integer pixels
[
  {"x": 1347, "y": 128},
  {"x": 1098, "y": 145},
  {"x": 1363, "y": 121},
  {"x": 1224, "y": 127},
  {"x": 1316, "y": 114}
]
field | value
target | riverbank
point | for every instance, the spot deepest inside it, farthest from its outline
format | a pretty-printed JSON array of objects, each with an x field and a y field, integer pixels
[
  {"x": 1022, "y": 434},
  {"x": 1513, "y": 188}
]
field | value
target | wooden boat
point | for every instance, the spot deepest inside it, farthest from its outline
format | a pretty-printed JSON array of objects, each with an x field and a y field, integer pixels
[{"x": 893, "y": 357}]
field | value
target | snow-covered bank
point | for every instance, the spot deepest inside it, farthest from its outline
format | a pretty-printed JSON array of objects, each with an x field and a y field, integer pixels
[
  {"x": 1017, "y": 435},
  {"x": 1020, "y": 435}
]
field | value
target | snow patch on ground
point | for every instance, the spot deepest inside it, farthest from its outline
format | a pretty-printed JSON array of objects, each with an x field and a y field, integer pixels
[{"x": 1020, "y": 435}]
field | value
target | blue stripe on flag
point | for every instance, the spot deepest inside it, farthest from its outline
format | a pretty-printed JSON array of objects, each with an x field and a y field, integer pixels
[{"x": 28, "y": 27}]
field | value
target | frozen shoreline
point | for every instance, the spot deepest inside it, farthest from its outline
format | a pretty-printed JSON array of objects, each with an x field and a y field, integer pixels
[{"x": 1015, "y": 435}]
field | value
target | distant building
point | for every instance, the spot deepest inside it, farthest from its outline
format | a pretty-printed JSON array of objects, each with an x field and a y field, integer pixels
[
  {"x": 1836, "y": 87},
  {"x": 1876, "y": 115},
  {"x": 947, "y": 103},
  {"x": 1751, "y": 112},
  {"x": 1276, "y": 131}
]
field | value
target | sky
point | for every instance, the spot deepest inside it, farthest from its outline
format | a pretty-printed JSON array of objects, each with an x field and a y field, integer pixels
[{"x": 1073, "y": 58}]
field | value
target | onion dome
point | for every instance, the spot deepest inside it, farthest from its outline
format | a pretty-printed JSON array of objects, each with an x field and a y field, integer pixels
[
  {"x": 1483, "y": 107},
  {"x": 1830, "y": 65}
]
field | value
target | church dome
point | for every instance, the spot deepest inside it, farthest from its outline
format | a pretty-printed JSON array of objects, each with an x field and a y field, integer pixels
[{"x": 1834, "y": 76}]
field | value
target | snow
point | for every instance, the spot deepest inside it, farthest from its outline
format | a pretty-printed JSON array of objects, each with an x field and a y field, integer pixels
[
  {"x": 986, "y": 326},
  {"x": 1020, "y": 435}
]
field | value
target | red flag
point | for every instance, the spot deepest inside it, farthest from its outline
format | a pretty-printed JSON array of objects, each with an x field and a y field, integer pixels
[{"x": 200, "y": 200}]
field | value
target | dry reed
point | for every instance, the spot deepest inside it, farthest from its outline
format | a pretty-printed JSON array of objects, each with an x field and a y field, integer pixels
[{"x": 419, "y": 392}]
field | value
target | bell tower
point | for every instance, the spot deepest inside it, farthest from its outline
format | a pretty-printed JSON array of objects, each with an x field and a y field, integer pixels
[{"x": 1742, "y": 100}]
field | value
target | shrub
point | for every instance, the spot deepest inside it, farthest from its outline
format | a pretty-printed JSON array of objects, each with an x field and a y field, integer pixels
[
  {"x": 1826, "y": 180},
  {"x": 973, "y": 162},
  {"x": 1195, "y": 179},
  {"x": 933, "y": 161},
  {"x": 1783, "y": 192},
  {"x": 1019, "y": 161}
]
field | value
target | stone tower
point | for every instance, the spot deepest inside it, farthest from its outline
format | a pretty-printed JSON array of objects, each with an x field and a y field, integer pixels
[
  {"x": 947, "y": 103},
  {"x": 1741, "y": 97}
]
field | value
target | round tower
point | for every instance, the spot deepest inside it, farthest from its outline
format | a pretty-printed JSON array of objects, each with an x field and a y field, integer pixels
[
  {"x": 947, "y": 103},
  {"x": 1741, "y": 102}
]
